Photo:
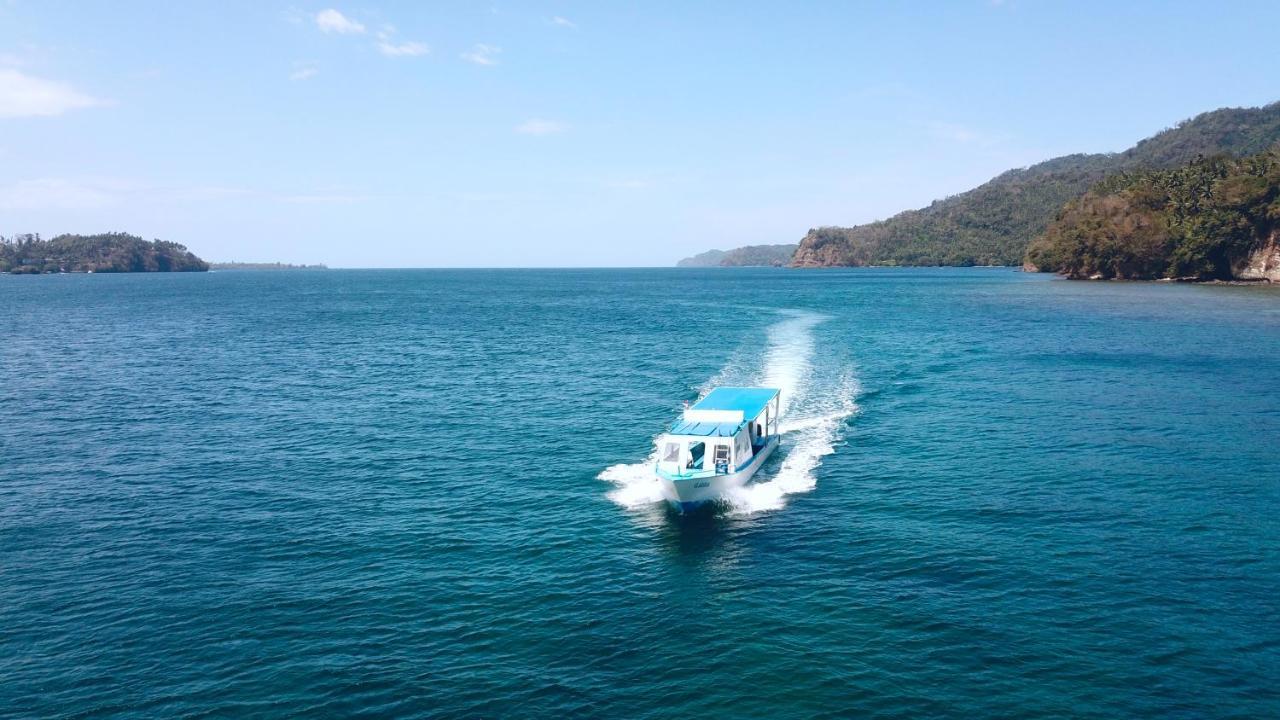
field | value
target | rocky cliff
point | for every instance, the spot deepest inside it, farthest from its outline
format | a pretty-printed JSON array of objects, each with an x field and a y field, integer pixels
[{"x": 1261, "y": 264}]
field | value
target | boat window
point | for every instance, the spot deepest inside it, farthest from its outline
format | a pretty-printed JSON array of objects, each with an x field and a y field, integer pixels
[
  {"x": 722, "y": 453},
  {"x": 696, "y": 451},
  {"x": 671, "y": 452}
]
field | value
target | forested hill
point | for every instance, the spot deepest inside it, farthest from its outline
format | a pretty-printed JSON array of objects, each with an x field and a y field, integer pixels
[
  {"x": 1217, "y": 218},
  {"x": 748, "y": 256},
  {"x": 994, "y": 223},
  {"x": 710, "y": 258},
  {"x": 106, "y": 253}
]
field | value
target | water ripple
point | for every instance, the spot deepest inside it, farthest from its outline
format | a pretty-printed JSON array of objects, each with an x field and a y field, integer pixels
[{"x": 379, "y": 493}]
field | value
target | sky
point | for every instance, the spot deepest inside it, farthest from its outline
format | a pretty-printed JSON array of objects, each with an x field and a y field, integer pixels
[{"x": 560, "y": 134}]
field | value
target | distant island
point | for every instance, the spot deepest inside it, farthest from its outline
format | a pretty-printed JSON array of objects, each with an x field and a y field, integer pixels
[
  {"x": 998, "y": 222},
  {"x": 263, "y": 266},
  {"x": 749, "y": 256},
  {"x": 1215, "y": 218},
  {"x": 104, "y": 253}
]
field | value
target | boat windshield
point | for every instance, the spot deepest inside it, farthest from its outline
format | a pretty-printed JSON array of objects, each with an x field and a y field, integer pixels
[
  {"x": 671, "y": 452},
  {"x": 696, "y": 451}
]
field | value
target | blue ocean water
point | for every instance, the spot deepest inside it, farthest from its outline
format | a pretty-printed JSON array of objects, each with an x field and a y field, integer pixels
[{"x": 424, "y": 494}]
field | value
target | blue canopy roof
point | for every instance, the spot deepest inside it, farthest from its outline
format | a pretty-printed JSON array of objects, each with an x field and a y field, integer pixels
[
  {"x": 750, "y": 400},
  {"x": 705, "y": 429}
]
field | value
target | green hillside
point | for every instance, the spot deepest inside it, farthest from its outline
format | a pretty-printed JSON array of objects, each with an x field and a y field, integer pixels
[
  {"x": 109, "y": 252},
  {"x": 1208, "y": 220},
  {"x": 710, "y": 258},
  {"x": 994, "y": 223},
  {"x": 748, "y": 256}
]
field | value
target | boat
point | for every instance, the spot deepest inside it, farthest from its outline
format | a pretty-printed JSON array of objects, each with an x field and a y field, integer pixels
[{"x": 717, "y": 445}]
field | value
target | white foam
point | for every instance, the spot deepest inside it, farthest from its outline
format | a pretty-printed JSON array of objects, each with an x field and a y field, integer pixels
[
  {"x": 805, "y": 441},
  {"x": 637, "y": 486},
  {"x": 814, "y": 408},
  {"x": 789, "y": 359}
]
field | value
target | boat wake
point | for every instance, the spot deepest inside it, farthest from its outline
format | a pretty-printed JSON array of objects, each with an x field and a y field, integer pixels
[{"x": 816, "y": 402}]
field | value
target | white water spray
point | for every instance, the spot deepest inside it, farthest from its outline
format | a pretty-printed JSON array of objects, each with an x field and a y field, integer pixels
[
  {"x": 789, "y": 359},
  {"x": 814, "y": 406}
]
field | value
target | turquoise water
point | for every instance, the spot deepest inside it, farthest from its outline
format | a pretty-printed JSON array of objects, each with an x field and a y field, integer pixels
[{"x": 423, "y": 493}]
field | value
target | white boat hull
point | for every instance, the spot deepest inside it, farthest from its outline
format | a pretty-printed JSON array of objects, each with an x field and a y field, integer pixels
[{"x": 687, "y": 493}]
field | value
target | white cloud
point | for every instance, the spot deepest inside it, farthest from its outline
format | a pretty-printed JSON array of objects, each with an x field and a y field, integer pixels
[
  {"x": 563, "y": 22},
  {"x": 536, "y": 126},
  {"x": 404, "y": 49},
  {"x": 388, "y": 46},
  {"x": 482, "y": 54},
  {"x": 332, "y": 21},
  {"x": 25, "y": 96}
]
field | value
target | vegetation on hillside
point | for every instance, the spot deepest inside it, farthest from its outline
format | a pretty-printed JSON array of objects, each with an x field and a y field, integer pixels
[
  {"x": 263, "y": 266},
  {"x": 1199, "y": 221},
  {"x": 994, "y": 223},
  {"x": 109, "y": 252},
  {"x": 748, "y": 256},
  {"x": 710, "y": 258}
]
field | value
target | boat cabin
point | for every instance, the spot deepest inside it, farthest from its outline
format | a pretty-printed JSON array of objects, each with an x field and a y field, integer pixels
[{"x": 721, "y": 433}]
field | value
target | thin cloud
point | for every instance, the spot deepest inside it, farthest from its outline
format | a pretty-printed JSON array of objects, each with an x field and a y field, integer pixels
[
  {"x": 564, "y": 22},
  {"x": 482, "y": 54},
  {"x": 387, "y": 45},
  {"x": 295, "y": 16},
  {"x": 629, "y": 184},
  {"x": 954, "y": 133},
  {"x": 96, "y": 193},
  {"x": 303, "y": 71},
  {"x": 322, "y": 199},
  {"x": 202, "y": 192},
  {"x": 60, "y": 194},
  {"x": 537, "y": 126},
  {"x": 404, "y": 49},
  {"x": 332, "y": 21},
  {"x": 26, "y": 96}
]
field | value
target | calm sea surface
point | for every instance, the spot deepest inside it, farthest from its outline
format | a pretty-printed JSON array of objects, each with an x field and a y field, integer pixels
[{"x": 424, "y": 493}]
